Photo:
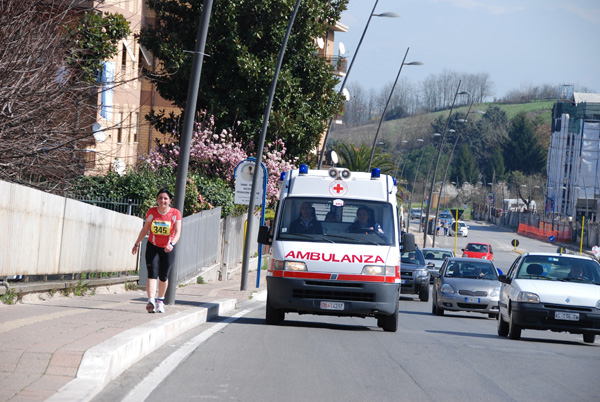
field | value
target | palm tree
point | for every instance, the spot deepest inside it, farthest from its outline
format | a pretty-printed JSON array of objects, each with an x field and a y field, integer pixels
[{"x": 356, "y": 158}]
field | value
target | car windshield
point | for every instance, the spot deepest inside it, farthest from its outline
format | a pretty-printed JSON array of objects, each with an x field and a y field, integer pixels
[
  {"x": 477, "y": 248},
  {"x": 471, "y": 269},
  {"x": 335, "y": 220},
  {"x": 438, "y": 255},
  {"x": 413, "y": 257},
  {"x": 559, "y": 268},
  {"x": 445, "y": 216}
]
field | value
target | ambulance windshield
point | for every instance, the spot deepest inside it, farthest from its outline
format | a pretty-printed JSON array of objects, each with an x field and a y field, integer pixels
[{"x": 336, "y": 220}]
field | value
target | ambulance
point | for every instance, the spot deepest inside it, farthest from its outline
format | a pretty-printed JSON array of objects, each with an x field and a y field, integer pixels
[{"x": 335, "y": 246}]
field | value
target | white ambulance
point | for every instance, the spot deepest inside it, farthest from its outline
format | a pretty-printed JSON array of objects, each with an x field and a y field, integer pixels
[{"x": 335, "y": 246}]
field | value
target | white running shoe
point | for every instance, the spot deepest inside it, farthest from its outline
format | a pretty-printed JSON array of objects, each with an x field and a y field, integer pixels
[
  {"x": 150, "y": 307},
  {"x": 161, "y": 307}
]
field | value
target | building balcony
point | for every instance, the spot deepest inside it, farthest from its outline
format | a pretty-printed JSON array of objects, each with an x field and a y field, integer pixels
[{"x": 339, "y": 64}]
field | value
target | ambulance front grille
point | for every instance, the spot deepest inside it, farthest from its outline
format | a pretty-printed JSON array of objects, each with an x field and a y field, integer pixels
[{"x": 333, "y": 295}]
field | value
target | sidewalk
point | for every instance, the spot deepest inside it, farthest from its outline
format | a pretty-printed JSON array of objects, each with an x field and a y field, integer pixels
[{"x": 79, "y": 344}]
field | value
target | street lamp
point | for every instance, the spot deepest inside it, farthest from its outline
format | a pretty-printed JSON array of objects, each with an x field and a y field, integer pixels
[
  {"x": 412, "y": 63},
  {"x": 453, "y": 148},
  {"x": 412, "y": 191},
  {"x": 385, "y": 15},
  {"x": 437, "y": 161},
  {"x": 435, "y": 135}
]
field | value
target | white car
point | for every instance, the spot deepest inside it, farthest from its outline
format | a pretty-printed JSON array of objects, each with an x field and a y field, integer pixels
[
  {"x": 463, "y": 229},
  {"x": 547, "y": 291}
]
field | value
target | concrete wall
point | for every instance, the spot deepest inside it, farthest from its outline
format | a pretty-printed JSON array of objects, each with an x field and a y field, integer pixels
[{"x": 44, "y": 234}]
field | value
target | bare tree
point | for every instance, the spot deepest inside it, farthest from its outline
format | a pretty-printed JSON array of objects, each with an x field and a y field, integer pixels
[{"x": 46, "y": 109}]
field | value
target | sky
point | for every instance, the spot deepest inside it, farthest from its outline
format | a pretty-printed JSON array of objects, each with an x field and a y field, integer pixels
[{"x": 519, "y": 43}]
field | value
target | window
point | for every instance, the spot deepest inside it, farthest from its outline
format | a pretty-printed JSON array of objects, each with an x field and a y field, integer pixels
[
  {"x": 134, "y": 126},
  {"x": 124, "y": 56},
  {"x": 120, "y": 128},
  {"x": 336, "y": 221}
]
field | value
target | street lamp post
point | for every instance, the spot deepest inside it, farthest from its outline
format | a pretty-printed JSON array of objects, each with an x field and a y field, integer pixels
[
  {"x": 412, "y": 191},
  {"x": 387, "y": 15},
  {"x": 437, "y": 161},
  {"x": 412, "y": 63},
  {"x": 453, "y": 148},
  {"x": 425, "y": 188}
]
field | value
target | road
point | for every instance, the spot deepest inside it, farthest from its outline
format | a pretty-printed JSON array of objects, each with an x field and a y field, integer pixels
[{"x": 456, "y": 357}]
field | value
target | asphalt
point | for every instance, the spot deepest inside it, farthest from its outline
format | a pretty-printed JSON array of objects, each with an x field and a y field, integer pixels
[{"x": 68, "y": 348}]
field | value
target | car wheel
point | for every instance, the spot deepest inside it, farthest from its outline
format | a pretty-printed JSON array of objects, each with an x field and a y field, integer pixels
[
  {"x": 389, "y": 323},
  {"x": 273, "y": 316},
  {"x": 502, "y": 326},
  {"x": 514, "y": 330},
  {"x": 424, "y": 294},
  {"x": 435, "y": 309},
  {"x": 589, "y": 338}
]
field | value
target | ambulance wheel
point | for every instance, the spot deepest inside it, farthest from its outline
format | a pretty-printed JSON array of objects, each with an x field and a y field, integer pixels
[
  {"x": 273, "y": 316},
  {"x": 389, "y": 323}
]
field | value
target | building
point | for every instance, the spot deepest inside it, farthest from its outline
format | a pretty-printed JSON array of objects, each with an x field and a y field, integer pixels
[
  {"x": 121, "y": 133},
  {"x": 573, "y": 182}
]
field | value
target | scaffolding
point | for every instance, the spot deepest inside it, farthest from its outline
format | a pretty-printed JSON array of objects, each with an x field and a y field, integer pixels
[{"x": 573, "y": 183}]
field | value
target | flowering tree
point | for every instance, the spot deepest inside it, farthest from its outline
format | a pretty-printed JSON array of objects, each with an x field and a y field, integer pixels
[{"x": 217, "y": 154}]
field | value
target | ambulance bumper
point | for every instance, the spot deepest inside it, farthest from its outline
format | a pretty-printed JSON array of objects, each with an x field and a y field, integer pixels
[{"x": 338, "y": 298}]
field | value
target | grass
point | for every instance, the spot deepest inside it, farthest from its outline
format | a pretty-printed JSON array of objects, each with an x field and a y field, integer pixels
[
  {"x": 393, "y": 131},
  {"x": 10, "y": 297}
]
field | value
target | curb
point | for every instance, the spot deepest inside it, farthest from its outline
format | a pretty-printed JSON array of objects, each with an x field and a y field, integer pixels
[{"x": 106, "y": 361}]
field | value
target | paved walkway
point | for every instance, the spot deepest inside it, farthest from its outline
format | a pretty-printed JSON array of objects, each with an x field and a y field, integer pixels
[{"x": 79, "y": 344}]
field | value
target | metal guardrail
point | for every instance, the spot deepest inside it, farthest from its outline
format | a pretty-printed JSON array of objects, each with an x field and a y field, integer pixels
[{"x": 129, "y": 206}]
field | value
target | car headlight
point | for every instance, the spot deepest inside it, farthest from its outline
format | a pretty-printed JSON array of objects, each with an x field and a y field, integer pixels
[
  {"x": 422, "y": 272},
  {"x": 387, "y": 270},
  {"x": 528, "y": 297},
  {"x": 281, "y": 265},
  {"x": 495, "y": 292},
  {"x": 484, "y": 257},
  {"x": 446, "y": 288}
]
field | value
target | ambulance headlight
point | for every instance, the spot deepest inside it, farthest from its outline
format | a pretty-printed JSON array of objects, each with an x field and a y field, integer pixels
[
  {"x": 280, "y": 265},
  {"x": 387, "y": 270}
]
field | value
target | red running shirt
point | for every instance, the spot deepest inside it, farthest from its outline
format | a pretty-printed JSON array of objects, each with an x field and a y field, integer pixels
[{"x": 162, "y": 229}]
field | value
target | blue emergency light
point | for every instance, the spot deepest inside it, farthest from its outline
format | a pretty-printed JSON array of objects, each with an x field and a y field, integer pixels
[
  {"x": 303, "y": 169},
  {"x": 375, "y": 173}
]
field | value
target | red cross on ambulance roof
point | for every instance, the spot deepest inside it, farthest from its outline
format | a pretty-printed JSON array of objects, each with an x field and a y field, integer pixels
[{"x": 338, "y": 187}]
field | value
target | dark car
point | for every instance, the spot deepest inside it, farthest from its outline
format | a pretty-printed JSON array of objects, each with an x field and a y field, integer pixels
[{"x": 414, "y": 274}]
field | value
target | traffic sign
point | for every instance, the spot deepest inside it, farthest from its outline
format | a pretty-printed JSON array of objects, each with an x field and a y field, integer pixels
[
  {"x": 551, "y": 239},
  {"x": 515, "y": 243}
]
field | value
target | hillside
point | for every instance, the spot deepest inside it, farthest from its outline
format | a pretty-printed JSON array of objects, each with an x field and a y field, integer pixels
[{"x": 410, "y": 128}]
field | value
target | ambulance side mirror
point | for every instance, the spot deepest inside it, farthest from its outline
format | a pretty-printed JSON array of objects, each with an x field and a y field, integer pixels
[
  {"x": 408, "y": 242},
  {"x": 264, "y": 235}
]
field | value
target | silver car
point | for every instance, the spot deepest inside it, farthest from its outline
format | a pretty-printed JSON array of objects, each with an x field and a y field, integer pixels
[{"x": 466, "y": 284}]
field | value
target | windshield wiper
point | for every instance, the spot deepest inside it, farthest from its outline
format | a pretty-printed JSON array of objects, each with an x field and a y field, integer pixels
[{"x": 352, "y": 239}]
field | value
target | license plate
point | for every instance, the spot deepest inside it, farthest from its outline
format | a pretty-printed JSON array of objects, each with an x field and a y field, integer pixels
[
  {"x": 402, "y": 281},
  {"x": 559, "y": 315},
  {"x": 332, "y": 306},
  {"x": 472, "y": 300}
]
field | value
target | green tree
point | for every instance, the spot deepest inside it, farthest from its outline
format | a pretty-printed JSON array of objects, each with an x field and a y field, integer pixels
[
  {"x": 522, "y": 150},
  {"x": 495, "y": 169},
  {"x": 244, "y": 40},
  {"x": 464, "y": 167},
  {"x": 95, "y": 39}
]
